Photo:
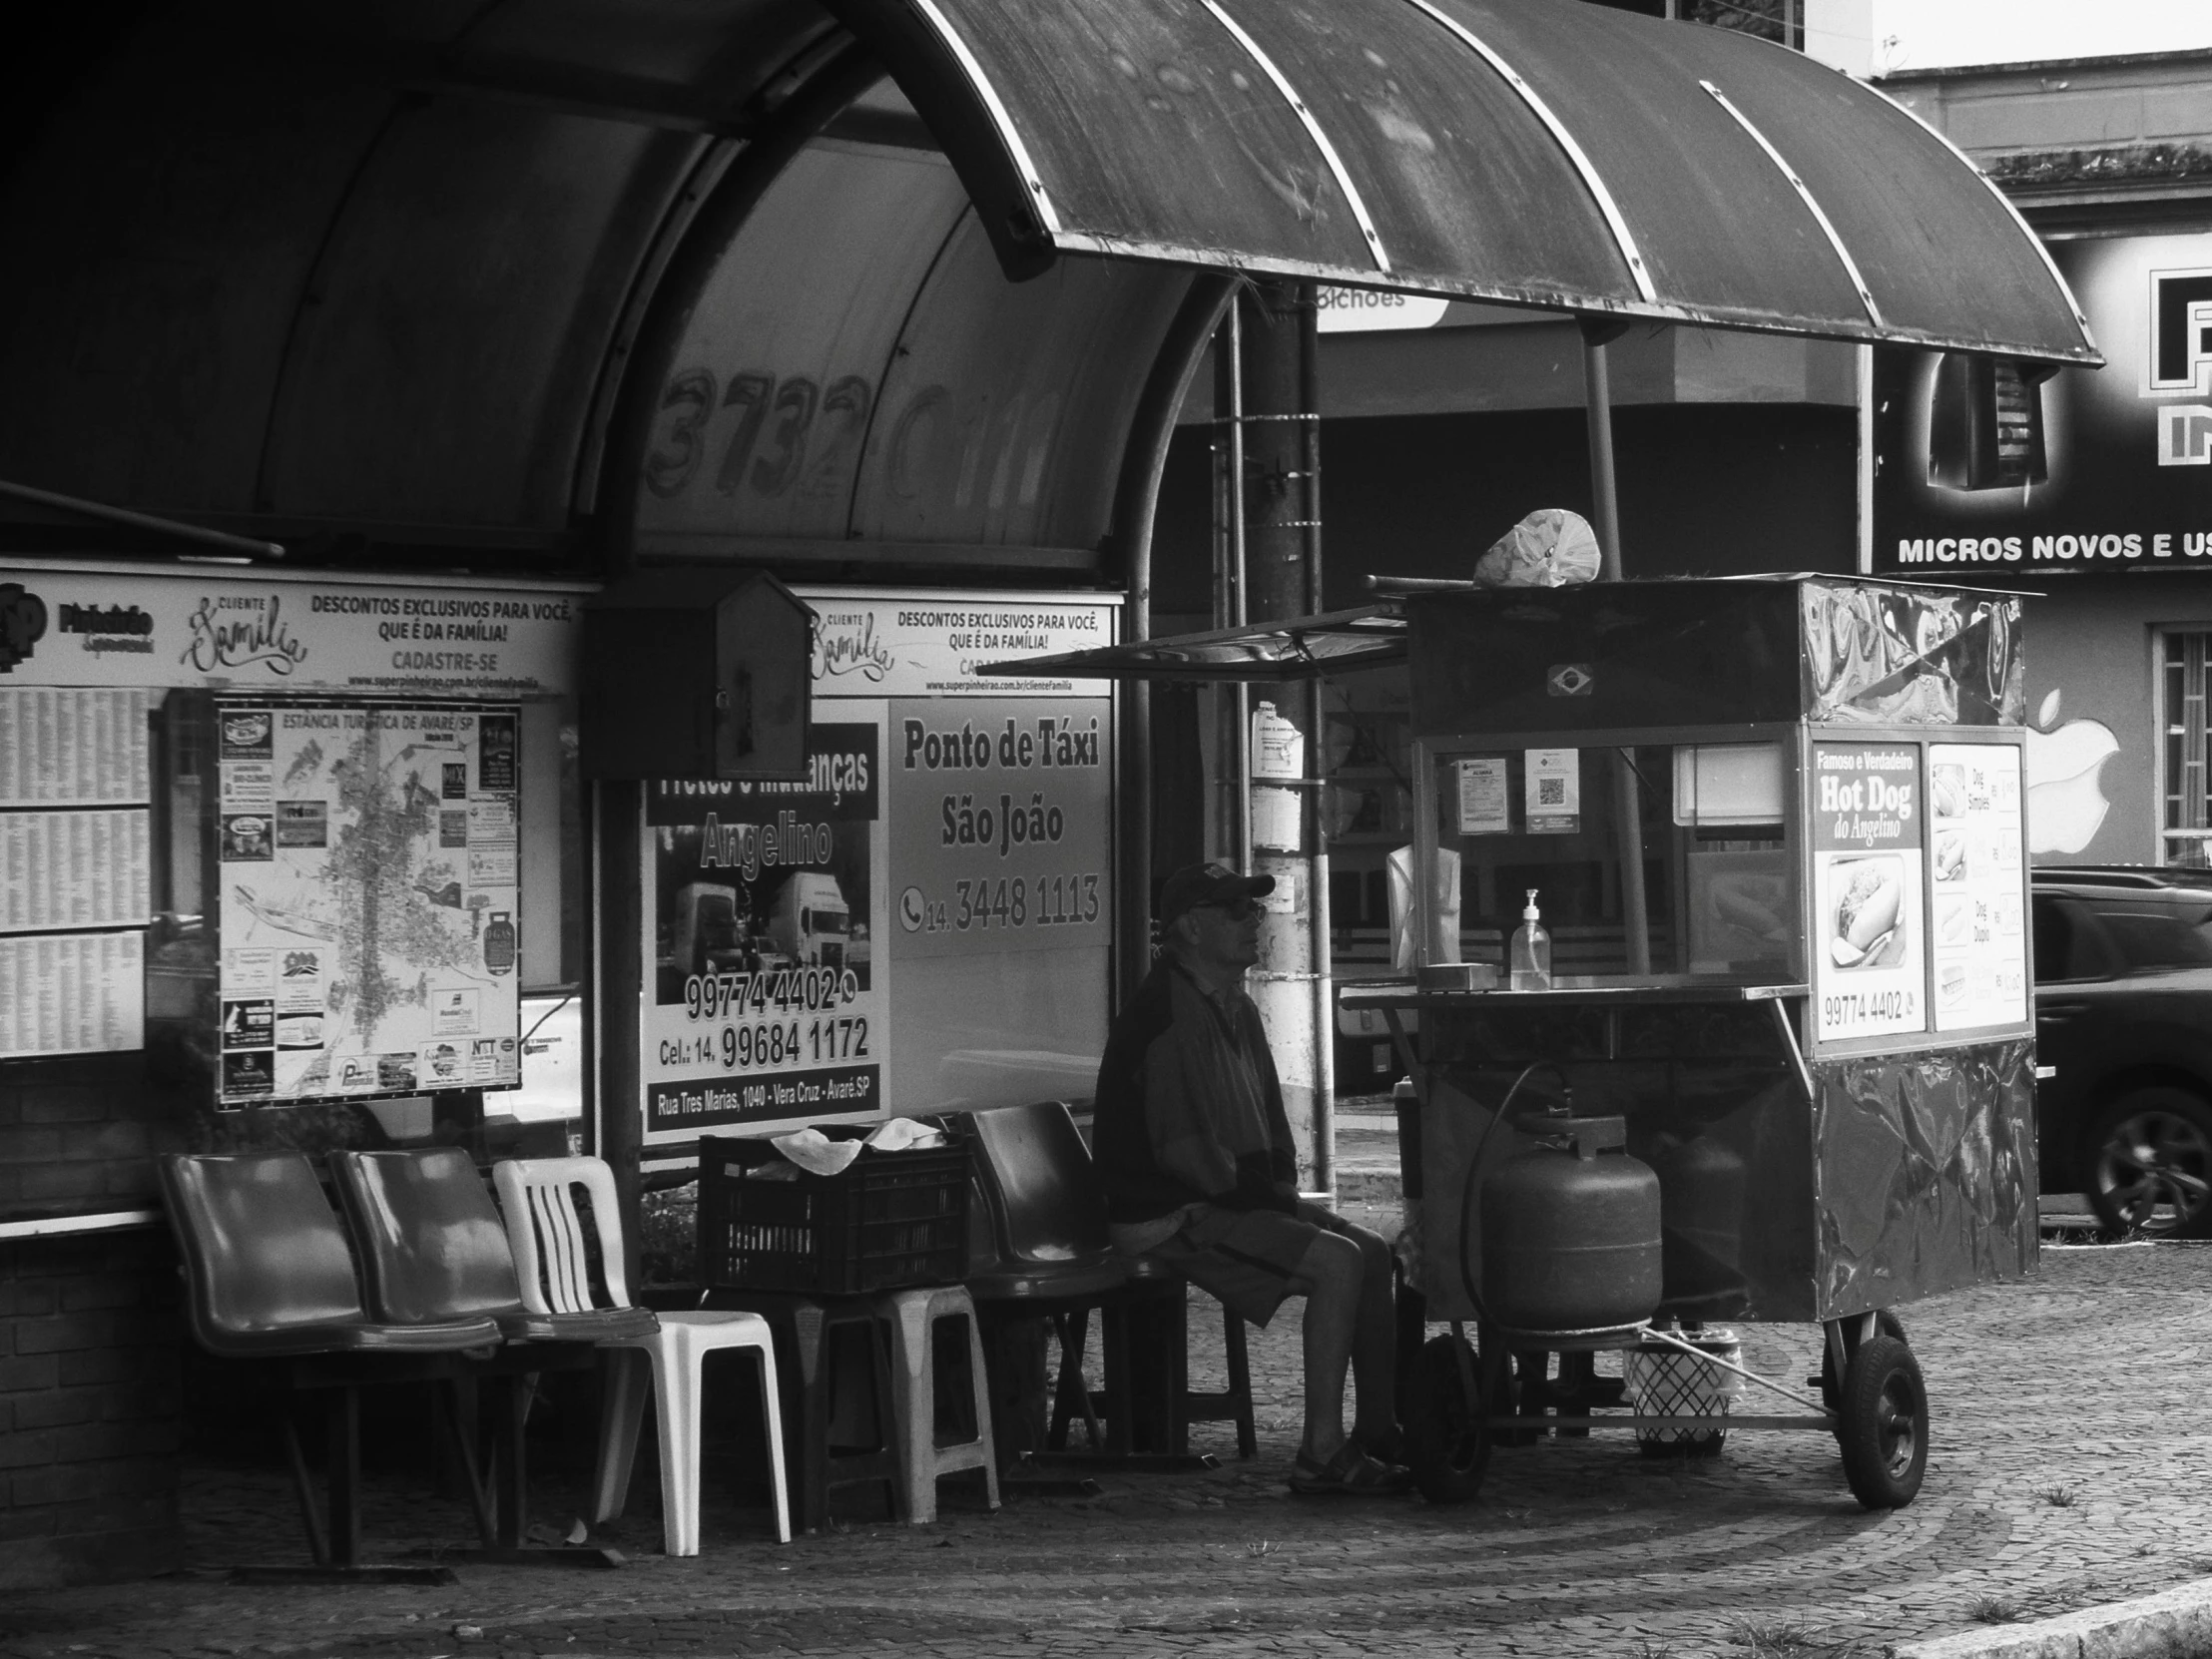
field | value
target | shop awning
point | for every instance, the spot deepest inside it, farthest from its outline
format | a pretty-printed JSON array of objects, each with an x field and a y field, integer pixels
[
  {"x": 1533, "y": 151},
  {"x": 1333, "y": 642}
]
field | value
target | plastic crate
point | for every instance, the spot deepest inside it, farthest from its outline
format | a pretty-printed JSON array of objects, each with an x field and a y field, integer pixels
[{"x": 891, "y": 1219}]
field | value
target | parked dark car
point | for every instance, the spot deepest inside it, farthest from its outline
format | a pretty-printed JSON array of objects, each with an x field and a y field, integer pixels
[{"x": 2123, "y": 1032}]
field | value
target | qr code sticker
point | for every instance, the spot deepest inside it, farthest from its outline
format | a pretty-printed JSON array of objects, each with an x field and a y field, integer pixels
[{"x": 1551, "y": 791}]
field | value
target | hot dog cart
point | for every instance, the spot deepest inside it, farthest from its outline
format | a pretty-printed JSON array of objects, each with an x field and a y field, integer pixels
[{"x": 1783, "y": 1069}]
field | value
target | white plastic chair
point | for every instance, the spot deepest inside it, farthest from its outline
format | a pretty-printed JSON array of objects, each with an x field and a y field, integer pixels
[{"x": 537, "y": 1198}]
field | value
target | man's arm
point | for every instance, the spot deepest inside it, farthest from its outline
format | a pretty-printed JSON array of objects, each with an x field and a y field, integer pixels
[
  {"x": 1180, "y": 1141},
  {"x": 1184, "y": 1142}
]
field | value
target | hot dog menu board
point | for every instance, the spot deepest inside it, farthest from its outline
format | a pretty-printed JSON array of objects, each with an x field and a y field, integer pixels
[
  {"x": 1869, "y": 957},
  {"x": 1978, "y": 941}
]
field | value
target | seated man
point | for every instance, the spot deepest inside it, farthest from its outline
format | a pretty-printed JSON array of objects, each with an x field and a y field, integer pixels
[{"x": 1196, "y": 1157}]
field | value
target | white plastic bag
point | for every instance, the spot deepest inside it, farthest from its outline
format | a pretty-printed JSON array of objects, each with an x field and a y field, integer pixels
[
  {"x": 1444, "y": 916},
  {"x": 817, "y": 1153},
  {"x": 1550, "y": 548}
]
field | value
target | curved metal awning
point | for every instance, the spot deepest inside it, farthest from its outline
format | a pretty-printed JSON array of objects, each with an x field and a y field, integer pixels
[
  {"x": 1298, "y": 648},
  {"x": 1533, "y": 151}
]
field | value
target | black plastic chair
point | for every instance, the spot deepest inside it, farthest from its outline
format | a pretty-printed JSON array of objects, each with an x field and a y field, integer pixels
[
  {"x": 269, "y": 1276},
  {"x": 434, "y": 1246},
  {"x": 1054, "y": 1256}
]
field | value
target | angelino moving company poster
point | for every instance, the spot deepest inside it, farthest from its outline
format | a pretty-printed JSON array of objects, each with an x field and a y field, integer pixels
[
  {"x": 1868, "y": 956},
  {"x": 369, "y": 899},
  {"x": 765, "y": 1003}
]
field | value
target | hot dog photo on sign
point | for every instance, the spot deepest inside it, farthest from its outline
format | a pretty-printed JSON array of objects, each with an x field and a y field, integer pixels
[
  {"x": 1868, "y": 926},
  {"x": 1869, "y": 840}
]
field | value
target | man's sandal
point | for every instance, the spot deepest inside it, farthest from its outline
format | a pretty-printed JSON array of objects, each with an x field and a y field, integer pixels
[
  {"x": 1387, "y": 1448},
  {"x": 1350, "y": 1473}
]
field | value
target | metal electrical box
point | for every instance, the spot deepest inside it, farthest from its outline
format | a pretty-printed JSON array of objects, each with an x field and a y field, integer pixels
[{"x": 698, "y": 674}]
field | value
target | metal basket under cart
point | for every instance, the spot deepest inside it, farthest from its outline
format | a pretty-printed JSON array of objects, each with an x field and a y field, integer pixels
[{"x": 1783, "y": 1068}]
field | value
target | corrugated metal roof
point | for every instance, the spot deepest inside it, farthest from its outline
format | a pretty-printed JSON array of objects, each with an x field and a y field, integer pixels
[{"x": 1537, "y": 153}]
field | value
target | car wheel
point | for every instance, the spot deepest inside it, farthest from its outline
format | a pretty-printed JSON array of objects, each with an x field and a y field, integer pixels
[
  {"x": 1884, "y": 1427},
  {"x": 2150, "y": 1165}
]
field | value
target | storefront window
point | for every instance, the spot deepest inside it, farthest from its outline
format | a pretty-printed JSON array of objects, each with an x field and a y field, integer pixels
[{"x": 2188, "y": 807}]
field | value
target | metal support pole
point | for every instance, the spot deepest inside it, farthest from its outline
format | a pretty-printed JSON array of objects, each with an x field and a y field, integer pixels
[
  {"x": 622, "y": 917},
  {"x": 1627, "y": 807},
  {"x": 1598, "y": 413},
  {"x": 1239, "y": 701},
  {"x": 245, "y": 547},
  {"x": 1135, "y": 502},
  {"x": 1271, "y": 366},
  {"x": 1319, "y": 920}
]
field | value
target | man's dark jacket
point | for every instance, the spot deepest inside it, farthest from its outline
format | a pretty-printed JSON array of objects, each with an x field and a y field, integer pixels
[{"x": 1131, "y": 1127}]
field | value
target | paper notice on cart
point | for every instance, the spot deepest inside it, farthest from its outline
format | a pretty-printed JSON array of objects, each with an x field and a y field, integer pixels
[
  {"x": 1869, "y": 957},
  {"x": 1485, "y": 804},
  {"x": 1975, "y": 882},
  {"x": 1554, "y": 792}
]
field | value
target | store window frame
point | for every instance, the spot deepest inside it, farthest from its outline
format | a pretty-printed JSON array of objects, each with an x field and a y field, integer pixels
[{"x": 2181, "y": 665}]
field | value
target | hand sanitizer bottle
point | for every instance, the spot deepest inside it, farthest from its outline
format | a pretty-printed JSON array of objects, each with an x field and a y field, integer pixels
[{"x": 1530, "y": 960}]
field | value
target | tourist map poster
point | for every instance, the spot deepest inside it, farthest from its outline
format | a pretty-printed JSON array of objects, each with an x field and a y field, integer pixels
[{"x": 368, "y": 862}]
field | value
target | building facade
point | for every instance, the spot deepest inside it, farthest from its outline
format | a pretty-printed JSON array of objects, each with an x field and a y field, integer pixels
[{"x": 2092, "y": 489}]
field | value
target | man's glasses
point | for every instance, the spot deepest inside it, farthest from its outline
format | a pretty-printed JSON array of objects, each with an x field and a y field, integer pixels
[{"x": 1236, "y": 909}]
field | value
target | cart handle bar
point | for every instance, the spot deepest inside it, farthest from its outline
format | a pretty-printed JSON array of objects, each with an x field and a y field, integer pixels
[{"x": 1795, "y": 1398}]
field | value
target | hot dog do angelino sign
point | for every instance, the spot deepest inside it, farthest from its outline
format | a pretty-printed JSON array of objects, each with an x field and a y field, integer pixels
[{"x": 1869, "y": 952}]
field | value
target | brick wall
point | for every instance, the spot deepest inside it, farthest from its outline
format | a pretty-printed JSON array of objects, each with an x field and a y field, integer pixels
[
  {"x": 89, "y": 1334},
  {"x": 89, "y": 1328}
]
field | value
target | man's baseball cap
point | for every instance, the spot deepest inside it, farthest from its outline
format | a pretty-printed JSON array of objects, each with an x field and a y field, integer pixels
[{"x": 1196, "y": 884}]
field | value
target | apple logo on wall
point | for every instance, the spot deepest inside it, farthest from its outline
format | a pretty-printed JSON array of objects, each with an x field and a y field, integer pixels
[{"x": 2065, "y": 801}]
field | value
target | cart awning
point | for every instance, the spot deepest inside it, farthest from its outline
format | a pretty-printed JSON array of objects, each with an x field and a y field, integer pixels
[
  {"x": 1299, "y": 648},
  {"x": 1530, "y": 152}
]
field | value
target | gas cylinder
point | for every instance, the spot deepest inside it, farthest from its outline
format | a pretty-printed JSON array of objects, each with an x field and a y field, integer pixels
[
  {"x": 1571, "y": 1230},
  {"x": 1702, "y": 1194}
]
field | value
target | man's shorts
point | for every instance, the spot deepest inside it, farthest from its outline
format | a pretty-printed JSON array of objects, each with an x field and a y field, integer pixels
[{"x": 1245, "y": 1259}]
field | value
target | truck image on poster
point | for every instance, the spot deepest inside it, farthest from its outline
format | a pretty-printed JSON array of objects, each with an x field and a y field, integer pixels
[
  {"x": 812, "y": 922},
  {"x": 706, "y": 934}
]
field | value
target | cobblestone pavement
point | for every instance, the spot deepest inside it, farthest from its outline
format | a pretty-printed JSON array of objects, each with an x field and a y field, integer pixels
[{"x": 2070, "y": 1469}]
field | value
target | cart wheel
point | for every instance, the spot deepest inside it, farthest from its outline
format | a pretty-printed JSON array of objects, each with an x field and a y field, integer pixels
[
  {"x": 1884, "y": 1425},
  {"x": 1446, "y": 1439},
  {"x": 1885, "y": 1323}
]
